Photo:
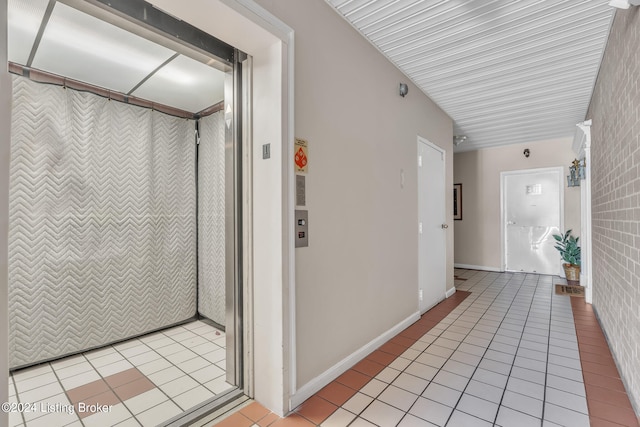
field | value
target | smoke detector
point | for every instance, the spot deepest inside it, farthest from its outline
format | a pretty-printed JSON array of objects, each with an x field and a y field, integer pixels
[{"x": 459, "y": 139}]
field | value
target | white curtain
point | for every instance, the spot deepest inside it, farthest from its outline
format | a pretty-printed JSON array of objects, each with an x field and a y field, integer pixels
[
  {"x": 211, "y": 218},
  {"x": 102, "y": 239}
]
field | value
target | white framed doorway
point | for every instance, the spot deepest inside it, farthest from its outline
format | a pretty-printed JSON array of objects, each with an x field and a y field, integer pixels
[
  {"x": 271, "y": 267},
  {"x": 532, "y": 210},
  {"x": 432, "y": 233}
]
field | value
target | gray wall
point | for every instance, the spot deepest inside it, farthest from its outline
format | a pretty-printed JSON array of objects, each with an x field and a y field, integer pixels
[
  {"x": 359, "y": 276},
  {"x": 615, "y": 110}
]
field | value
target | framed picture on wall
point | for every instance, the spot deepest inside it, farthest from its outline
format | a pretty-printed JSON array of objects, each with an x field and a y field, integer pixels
[{"x": 457, "y": 201}]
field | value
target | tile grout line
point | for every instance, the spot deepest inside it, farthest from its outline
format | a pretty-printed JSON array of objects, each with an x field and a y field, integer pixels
[
  {"x": 469, "y": 333},
  {"x": 515, "y": 355},
  {"x": 156, "y": 386},
  {"x": 85, "y": 359},
  {"x": 64, "y": 390},
  {"x": 497, "y": 295},
  {"x": 495, "y": 420},
  {"x": 412, "y": 360},
  {"x": 168, "y": 361},
  {"x": 357, "y": 415},
  {"x": 546, "y": 368},
  {"x": 487, "y": 348},
  {"x": 531, "y": 304},
  {"x": 439, "y": 336},
  {"x": 15, "y": 386},
  {"x": 422, "y": 352},
  {"x": 108, "y": 385}
]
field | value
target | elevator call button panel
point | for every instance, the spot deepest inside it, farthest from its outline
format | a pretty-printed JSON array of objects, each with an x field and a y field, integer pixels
[{"x": 302, "y": 228}]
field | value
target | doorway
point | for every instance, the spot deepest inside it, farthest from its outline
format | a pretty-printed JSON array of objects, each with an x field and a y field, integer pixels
[
  {"x": 150, "y": 184},
  {"x": 431, "y": 225},
  {"x": 532, "y": 213}
]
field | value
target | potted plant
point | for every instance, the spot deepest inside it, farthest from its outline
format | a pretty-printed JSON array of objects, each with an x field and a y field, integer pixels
[{"x": 569, "y": 250}]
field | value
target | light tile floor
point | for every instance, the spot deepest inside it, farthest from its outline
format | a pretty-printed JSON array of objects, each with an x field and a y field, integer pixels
[
  {"x": 146, "y": 381},
  {"x": 486, "y": 363},
  {"x": 507, "y": 355}
]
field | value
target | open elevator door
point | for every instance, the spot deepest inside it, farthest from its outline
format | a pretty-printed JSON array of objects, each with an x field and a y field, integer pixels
[
  {"x": 140, "y": 18},
  {"x": 150, "y": 22}
]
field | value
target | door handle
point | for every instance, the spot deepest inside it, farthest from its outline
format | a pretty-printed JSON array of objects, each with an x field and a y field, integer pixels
[{"x": 445, "y": 226}]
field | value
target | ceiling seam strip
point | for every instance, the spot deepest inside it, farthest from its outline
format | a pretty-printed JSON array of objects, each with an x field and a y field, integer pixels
[
  {"x": 603, "y": 49},
  {"x": 533, "y": 121},
  {"x": 537, "y": 113},
  {"x": 529, "y": 114},
  {"x": 509, "y": 128},
  {"x": 452, "y": 50},
  {"x": 473, "y": 89},
  {"x": 528, "y": 17},
  {"x": 43, "y": 25},
  {"x": 480, "y": 93},
  {"x": 421, "y": 23},
  {"x": 526, "y": 136},
  {"x": 506, "y": 103},
  {"x": 378, "y": 10},
  {"x": 484, "y": 43},
  {"x": 387, "y": 26},
  {"x": 516, "y": 61},
  {"x": 388, "y": 20},
  {"x": 496, "y": 107},
  {"x": 484, "y": 70},
  {"x": 174, "y": 56},
  {"x": 404, "y": 32}
]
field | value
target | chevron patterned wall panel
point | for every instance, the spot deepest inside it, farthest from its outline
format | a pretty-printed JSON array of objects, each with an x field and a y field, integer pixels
[
  {"x": 102, "y": 239},
  {"x": 211, "y": 221}
]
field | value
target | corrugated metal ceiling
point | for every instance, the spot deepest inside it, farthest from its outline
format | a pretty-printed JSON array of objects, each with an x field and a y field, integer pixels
[{"x": 505, "y": 71}]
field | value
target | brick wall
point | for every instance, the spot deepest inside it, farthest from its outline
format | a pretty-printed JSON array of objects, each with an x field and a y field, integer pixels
[{"x": 615, "y": 110}]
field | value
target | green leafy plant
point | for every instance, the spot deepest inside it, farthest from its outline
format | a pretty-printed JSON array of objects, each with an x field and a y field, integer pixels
[{"x": 568, "y": 247}]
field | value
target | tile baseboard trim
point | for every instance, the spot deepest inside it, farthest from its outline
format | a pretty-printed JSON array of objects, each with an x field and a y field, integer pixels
[
  {"x": 316, "y": 384},
  {"x": 450, "y": 292},
  {"x": 477, "y": 267}
]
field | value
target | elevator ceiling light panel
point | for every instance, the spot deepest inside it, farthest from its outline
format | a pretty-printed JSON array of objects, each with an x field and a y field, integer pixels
[
  {"x": 24, "y": 19},
  {"x": 505, "y": 71},
  {"x": 85, "y": 48},
  {"x": 202, "y": 82},
  {"x": 79, "y": 46}
]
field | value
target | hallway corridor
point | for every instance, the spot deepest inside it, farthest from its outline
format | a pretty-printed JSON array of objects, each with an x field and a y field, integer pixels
[{"x": 505, "y": 350}]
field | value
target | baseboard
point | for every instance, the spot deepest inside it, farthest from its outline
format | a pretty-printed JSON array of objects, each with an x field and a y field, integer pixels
[
  {"x": 450, "y": 292},
  {"x": 477, "y": 267},
  {"x": 316, "y": 384}
]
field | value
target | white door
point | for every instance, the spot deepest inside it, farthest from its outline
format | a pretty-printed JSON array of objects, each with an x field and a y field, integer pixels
[
  {"x": 532, "y": 213},
  {"x": 432, "y": 228}
]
